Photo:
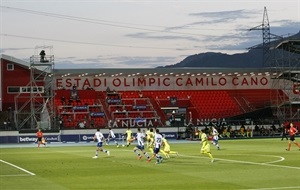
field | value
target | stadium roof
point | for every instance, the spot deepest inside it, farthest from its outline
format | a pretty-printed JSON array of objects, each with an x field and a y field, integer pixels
[
  {"x": 15, "y": 60},
  {"x": 292, "y": 75},
  {"x": 178, "y": 71},
  {"x": 192, "y": 71},
  {"x": 290, "y": 45}
]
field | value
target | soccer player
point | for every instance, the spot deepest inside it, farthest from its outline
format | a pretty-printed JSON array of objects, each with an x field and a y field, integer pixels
[
  {"x": 128, "y": 136},
  {"x": 150, "y": 140},
  {"x": 205, "y": 149},
  {"x": 167, "y": 148},
  {"x": 40, "y": 138},
  {"x": 292, "y": 131},
  {"x": 157, "y": 145},
  {"x": 112, "y": 136},
  {"x": 140, "y": 144},
  {"x": 100, "y": 138},
  {"x": 284, "y": 133},
  {"x": 215, "y": 140},
  {"x": 148, "y": 136}
]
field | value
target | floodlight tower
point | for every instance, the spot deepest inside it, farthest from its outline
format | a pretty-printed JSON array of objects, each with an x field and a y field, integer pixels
[
  {"x": 38, "y": 110},
  {"x": 265, "y": 28}
]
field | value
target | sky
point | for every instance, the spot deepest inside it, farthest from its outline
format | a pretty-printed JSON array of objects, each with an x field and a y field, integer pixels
[{"x": 138, "y": 33}]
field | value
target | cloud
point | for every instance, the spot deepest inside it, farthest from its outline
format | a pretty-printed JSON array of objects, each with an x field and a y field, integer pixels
[
  {"x": 225, "y": 16},
  {"x": 284, "y": 28},
  {"x": 8, "y": 50},
  {"x": 207, "y": 37},
  {"x": 157, "y": 36},
  {"x": 202, "y": 32},
  {"x": 220, "y": 17},
  {"x": 114, "y": 62}
]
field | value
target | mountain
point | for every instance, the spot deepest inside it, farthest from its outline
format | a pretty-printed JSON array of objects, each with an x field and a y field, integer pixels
[{"x": 251, "y": 59}]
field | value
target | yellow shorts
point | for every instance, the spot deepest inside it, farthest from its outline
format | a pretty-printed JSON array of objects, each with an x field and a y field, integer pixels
[
  {"x": 205, "y": 148},
  {"x": 167, "y": 149}
]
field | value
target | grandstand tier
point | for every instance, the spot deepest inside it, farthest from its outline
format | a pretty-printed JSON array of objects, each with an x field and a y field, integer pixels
[{"x": 126, "y": 107}]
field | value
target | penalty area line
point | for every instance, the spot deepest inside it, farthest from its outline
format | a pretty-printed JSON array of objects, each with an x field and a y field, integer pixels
[
  {"x": 22, "y": 169},
  {"x": 248, "y": 162},
  {"x": 275, "y": 188}
]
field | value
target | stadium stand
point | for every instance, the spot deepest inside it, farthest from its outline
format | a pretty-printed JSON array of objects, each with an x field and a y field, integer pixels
[{"x": 101, "y": 107}]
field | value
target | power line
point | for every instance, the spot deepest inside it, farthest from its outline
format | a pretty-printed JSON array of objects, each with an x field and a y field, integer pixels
[
  {"x": 88, "y": 43},
  {"x": 113, "y": 23},
  {"x": 109, "y": 23}
]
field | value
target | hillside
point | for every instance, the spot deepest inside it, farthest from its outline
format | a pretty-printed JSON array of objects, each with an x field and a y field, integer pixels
[{"x": 251, "y": 59}]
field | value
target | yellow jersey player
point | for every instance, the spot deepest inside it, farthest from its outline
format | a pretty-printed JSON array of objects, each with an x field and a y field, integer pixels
[
  {"x": 150, "y": 140},
  {"x": 166, "y": 148},
  {"x": 205, "y": 149},
  {"x": 148, "y": 137},
  {"x": 128, "y": 136}
]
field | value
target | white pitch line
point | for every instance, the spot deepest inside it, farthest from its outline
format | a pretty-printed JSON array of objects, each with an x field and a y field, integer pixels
[
  {"x": 26, "y": 171},
  {"x": 275, "y": 188},
  {"x": 261, "y": 155},
  {"x": 280, "y": 160},
  {"x": 236, "y": 161},
  {"x": 263, "y": 164},
  {"x": 247, "y": 162},
  {"x": 17, "y": 175}
]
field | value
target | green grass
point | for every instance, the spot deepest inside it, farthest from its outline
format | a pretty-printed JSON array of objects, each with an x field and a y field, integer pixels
[{"x": 240, "y": 164}]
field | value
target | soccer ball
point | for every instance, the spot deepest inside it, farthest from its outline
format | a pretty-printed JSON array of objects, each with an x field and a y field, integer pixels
[{"x": 123, "y": 145}]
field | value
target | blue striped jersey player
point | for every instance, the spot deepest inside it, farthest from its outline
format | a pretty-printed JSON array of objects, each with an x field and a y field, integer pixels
[
  {"x": 215, "y": 140},
  {"x": 112, "y": 136},
  {"x": 157, "y": 144},
  {"x": 99, "y": 138},
  {"x": 140, "y": 137}
]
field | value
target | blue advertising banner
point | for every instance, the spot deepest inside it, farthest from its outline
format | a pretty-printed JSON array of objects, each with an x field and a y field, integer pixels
[
  {"x": 32, "y": 139},
  {"x": 67, "y": 138},
  {"x": 27, "y": 139},
  {"x": 86, "y": 137},
  {"x": 139, "y": 107},
  {"x": 172, "y": 135},
  {"x": 97, "y": 114},
  {"x": 8, "y": 139},
  {"x": 113, "y": 101},
  {"x": 80, "y": 108},
  {"x": 140, "y": 120}
]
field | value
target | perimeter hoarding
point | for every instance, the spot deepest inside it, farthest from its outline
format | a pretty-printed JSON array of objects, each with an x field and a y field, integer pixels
[{"x": 66, "y": 138}]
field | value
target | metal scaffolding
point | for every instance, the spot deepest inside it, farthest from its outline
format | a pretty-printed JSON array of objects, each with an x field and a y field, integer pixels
[
  {"x": 286, "y": 60},
  {"x": 282, "y": 55},
  {"x": 35, "y": 103}
]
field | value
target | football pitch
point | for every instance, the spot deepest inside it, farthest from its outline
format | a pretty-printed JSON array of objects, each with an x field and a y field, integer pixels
[{"x": 260, "y": 164}]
